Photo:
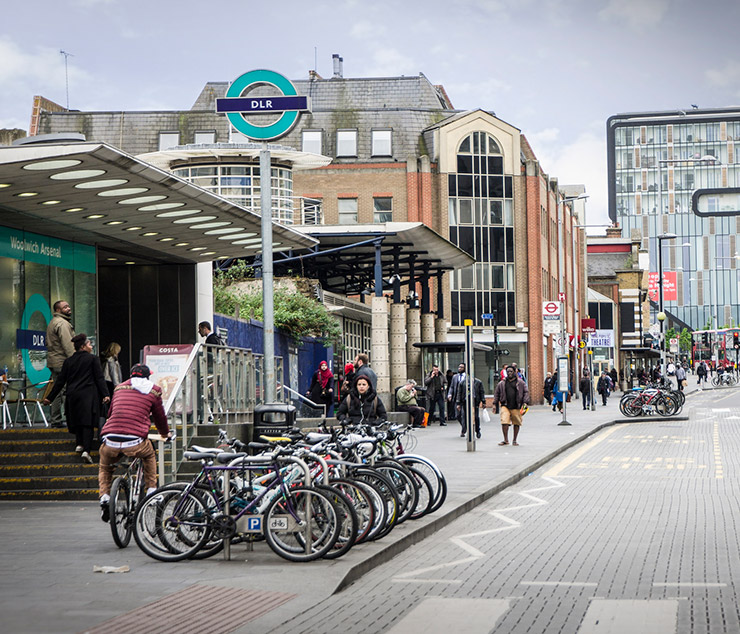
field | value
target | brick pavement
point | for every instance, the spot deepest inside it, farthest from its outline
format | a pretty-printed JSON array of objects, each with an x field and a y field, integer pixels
[{"x": 49, "y": 549}]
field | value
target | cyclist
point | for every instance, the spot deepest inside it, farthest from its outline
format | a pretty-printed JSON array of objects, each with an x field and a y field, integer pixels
[{"x": 125, "y": 432}]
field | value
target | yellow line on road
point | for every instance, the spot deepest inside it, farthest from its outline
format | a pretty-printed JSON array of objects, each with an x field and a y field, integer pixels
[{"x": 576, "y": 455}]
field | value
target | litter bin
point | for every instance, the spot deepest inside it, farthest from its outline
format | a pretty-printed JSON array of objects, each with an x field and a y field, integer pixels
[{"x": 273, "y": 419}]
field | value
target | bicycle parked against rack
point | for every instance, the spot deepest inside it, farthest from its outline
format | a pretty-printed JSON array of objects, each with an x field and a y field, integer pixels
[
  {"x": 724, "y": 379},
  {"x": 660, "y": 400}
]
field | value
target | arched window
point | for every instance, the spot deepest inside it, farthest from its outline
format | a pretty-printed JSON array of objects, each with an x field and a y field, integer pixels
[{"x": 480, "y": 143}]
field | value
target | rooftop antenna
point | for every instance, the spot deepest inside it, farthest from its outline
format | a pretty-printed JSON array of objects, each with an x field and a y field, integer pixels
[{"x": 66, "y": 72}]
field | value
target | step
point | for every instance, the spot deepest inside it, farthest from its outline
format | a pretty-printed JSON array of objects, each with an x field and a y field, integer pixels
[
  {"x": 40, "y": 458},
  {"x": 49, "y": 483},
  {"x": 56, "y": 494},
  {"x": 31, "y": 446},
  {"x": 47, "y": 470},
  {"x": 33, "y": 433}
]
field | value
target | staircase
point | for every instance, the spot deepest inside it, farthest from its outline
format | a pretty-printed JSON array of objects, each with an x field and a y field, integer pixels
[{"x": 41, "y": 464}]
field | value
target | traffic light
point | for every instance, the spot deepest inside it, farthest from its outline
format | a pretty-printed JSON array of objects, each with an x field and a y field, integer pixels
[
  {"x": 736, "y": 340},
  {"x": 705, "y": 338}
]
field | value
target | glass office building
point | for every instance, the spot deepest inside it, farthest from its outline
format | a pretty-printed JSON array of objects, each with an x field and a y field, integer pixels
[{"x": 656, "y": 161}]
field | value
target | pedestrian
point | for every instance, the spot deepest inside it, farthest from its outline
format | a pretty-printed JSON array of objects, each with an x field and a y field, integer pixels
[
  {"x": 614, "y": 377},
  {"x": 602, "y": 387},
  {"x": 362, "y": 368},
  {"x": 554, "y": 400},
  {"x": 585, "y": 387},
  {"x": 701, "y": 373},
  {"x": 461, "y": 404},
  {"x": 362, "y": 404},
  {"x": 59, "y": 348},
  {"x": 450, "y": 405},
  {"x": 83, "y": 377},
  {"x": 321, "y": 390},
  {"x": 111, "y": 366},
  {"x": 548, "y": 388},
  {"x": 453, "y": 386},
  {"x": 406, "y": 402},
  {"x": 512, "y": 394},
  {"x": 436, "y": 390},
  {"x": 135, "y": 404},
  {"x": 212, "y": 339},
  {"x": 349, "y": 379}
]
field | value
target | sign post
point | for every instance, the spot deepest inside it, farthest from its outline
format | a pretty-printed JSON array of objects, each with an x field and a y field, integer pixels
[
  {"x": 563, "y": 376},
  {"x": 236, "y": 104}
]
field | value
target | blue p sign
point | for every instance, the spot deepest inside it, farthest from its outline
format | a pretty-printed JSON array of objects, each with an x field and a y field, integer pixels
[{"x": 254, "y": 524}]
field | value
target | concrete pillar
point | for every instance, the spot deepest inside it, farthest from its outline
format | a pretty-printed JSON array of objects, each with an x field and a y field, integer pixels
[
  {"x": 204, "y": 290},
  {"x": 427, "y": 327},
  {"x": 398, "y": 345},
  {"x": 413, "y": 355},
  {"x": 440, "y": 330},
  {"x": 379, "y": 360}
]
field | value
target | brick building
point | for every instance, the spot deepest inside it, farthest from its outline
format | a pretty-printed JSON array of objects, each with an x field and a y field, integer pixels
[{"x": 400, "y": 153}]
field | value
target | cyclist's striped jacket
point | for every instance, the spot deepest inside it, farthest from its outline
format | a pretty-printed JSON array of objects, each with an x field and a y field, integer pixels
[{"x": 130, "y": 411}]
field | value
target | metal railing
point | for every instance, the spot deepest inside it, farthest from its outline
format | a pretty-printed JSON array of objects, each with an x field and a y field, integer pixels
[{"x": 220, "y": 386}]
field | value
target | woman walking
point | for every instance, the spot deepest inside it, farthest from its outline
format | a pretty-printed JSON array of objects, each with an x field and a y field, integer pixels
[
  {"x": 83, "y": 376},
  {"x": 111, "y": 367},
  {"x": 322, "y": 388}
]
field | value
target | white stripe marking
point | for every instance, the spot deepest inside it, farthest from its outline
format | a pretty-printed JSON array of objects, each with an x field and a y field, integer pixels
[
  {"x": 689, "y": 584},
  {"x": 568, "y": 584}
]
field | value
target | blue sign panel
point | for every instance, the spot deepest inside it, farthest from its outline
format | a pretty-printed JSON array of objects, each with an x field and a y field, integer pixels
[
  {"x": 262, "y": 104},
  {"x": 487, "y": 316},
  {"x": 30, "y": 339}
]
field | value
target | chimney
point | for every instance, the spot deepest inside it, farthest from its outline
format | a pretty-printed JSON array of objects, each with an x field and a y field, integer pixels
[
  {"x": 614, "y": 232},
  {"x": 338, "y": 63}
]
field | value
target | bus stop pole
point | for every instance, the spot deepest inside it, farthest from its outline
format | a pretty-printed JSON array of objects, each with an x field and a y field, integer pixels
[{"x": 469, "y": 385}]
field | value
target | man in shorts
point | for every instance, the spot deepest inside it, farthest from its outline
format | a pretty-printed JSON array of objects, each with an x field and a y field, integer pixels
[{"x": 512, "y": 395}]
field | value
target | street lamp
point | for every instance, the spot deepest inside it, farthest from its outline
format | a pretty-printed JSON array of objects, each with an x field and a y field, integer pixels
[{"x": 661, "y": 314}]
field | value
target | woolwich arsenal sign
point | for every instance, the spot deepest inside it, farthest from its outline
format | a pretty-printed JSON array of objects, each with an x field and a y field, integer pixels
[{"x": 237, "y": 103}]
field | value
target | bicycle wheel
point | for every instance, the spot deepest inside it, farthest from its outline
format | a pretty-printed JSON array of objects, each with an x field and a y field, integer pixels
[
  {"x": 664, "y": 405},
  {"x": 432, "y": 473},
  {"x": 121, "y": 513},
  {"x": 388, "y": 492},
  {"x": 361, "y": 502},
  {"x": 348, "y": 521},
  {"x": 171, "y": 525},
  {"x": 405, "y": 484},
  {"x": 301, "y": 525},
  {"x": 715, "y": 380},
  {"x": 426, "y": 494},
  {"x": 631, "y": 406}
]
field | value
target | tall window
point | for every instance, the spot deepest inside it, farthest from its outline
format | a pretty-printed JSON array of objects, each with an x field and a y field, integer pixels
[
  {"x": 383, "y": 209},
  {"x": 481, "y": 215},
  {"x": 347, "y": 211},
  {"x": 381, "y": 143},
  {"x": 168, "y": 140},
  {"x": 311, "y": 141},
  {"x": 346, "y": 142}
]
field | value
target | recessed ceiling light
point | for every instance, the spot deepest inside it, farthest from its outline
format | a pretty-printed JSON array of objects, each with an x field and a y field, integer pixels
[
  {"x": 165, "y": 240},
  {"x": 75, "y": 174},
  {"x": 190, "y": 221},
  {"x": 197, "y": 248},
  {"x": 112, "y": 259},
  {"x": 179, "y": 212},
  {"x": 116, "y": 222},
  {"x": 130, "y": 262},
  {"x": 108, "y": 182},
  {"x": 52, "y": 165},
  {"x": 209, "y": 225},
  {"x": 71, "y": 210},
  {"x": 51, "y": 202},
  {"x": 4, "y": 185},
  {"x": 150, "y": 233},
  {"x": 209, "y": 253},
  {"x": 161, "y": 206},
  {"x": 248, "y": 241},
  {"x": 216, "y": 232},
  {"x": 125, "y": 191},
  {"x": 182, "y": 244},
  {"x": 134, "y": 228},
  {"x": 222, "y": 257},
  {"x": 236, "y": 236},
  {"x": 27, "y": 194},
  {"x": 141, "y": 199},
  {"x": 95, "y": 216}
]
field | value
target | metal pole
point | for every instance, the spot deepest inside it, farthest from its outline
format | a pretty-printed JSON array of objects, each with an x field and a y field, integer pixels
[
  {"x": 268, "y": 308},
  {"x": 591, "y": 379},
  {"x": 469, "y": 382},
  {"x": 660, "y": 306}
]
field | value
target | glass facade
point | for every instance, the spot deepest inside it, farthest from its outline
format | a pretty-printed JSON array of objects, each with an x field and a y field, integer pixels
[
  {"x": 655, "y": 169},
  {"x": 35, "y": 272},
  {"x": 240, "y": 183},
  {"x": 481, "y": 220}
]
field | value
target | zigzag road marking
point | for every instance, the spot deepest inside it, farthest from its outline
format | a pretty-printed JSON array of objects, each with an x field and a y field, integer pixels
[{"x": 414, "y": 576}]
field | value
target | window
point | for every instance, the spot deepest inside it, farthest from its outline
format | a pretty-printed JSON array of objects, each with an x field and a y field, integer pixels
[
  {"x": 383, "y": 208},
  {"x": 312, "y": 212},
  {"x": 168, "y": 140},
  {"x": 346, "y": 142},
  {"x": 347, "y": 211},
  {"x": 206, "y": 137},
  {"x": 381, "y": 143},
  {"x": 311, "y": 141}
]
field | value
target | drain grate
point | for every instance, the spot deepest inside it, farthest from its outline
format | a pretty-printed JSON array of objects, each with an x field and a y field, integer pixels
[{"x": 198, "y": 608}]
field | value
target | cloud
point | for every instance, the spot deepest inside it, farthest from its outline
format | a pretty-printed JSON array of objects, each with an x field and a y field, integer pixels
[
  {"x": 639, "y": 15},
  {"x": 548, "y": 135},
  {"x": 390, "y": 62},
  {"x": 728, "y": 75}
]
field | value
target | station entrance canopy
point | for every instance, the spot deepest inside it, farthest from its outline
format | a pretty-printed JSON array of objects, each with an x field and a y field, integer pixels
[
  {"x": 96, "y": 194},
  {"x": 347, "y": 260}
]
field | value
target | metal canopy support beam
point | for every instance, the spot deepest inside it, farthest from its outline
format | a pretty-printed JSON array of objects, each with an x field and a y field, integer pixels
[
  {"x": 440, "y": 295},
  {"x": 425, "y": 299},
  {"x": 396, "y": 276},
  {"x": 378, "y": 270}
]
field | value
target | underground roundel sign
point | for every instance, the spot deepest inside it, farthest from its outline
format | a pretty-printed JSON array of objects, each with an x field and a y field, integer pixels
[{"x": 237, "y": 103}]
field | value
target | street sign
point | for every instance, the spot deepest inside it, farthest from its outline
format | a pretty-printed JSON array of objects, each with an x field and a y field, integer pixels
[
  {"x": 551, "y": 310},
  {"x": 487, "y": 331},
  {"x": 581, "y": 344},
  {"x": 561, "y": 297},
  {"x": 487, "y": 316},
  {"x": 551, "y": 327},
  {"x": 504, "y": 352},
  {"x": 588, "y": 326},
  {"x": 563, "y": 374}
]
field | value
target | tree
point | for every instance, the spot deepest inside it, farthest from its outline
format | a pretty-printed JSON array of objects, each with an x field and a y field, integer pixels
[{"x": 685, "y": 340}]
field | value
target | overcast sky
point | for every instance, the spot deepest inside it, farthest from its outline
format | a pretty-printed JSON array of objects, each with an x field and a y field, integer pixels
[{"x": 555, "y": 69}]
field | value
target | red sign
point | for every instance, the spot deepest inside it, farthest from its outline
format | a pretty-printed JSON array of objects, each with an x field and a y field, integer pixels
[
  {"x": 588, "y": 326},
  {"x": 670, "y": 291},
  {"x": 551, "y": 308},
  {"x": 561, "y": 297}
]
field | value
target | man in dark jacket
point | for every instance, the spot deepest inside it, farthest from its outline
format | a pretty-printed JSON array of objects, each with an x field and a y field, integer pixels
[
  {"x": 512, "y": 394},
  {"x": 135, "y": 404},
  {"x": 461, "y": 403},
  {"x": 212, "y": 339},
  {"x": 362, "y": 368},
  {"x": 362, "y": 405},
  {"x": 436, "y": 391}
]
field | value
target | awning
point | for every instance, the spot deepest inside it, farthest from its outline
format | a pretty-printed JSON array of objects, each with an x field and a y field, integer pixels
[
  {"x": 404, "y": 246},
  {"x": 96, "y": 194}
]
